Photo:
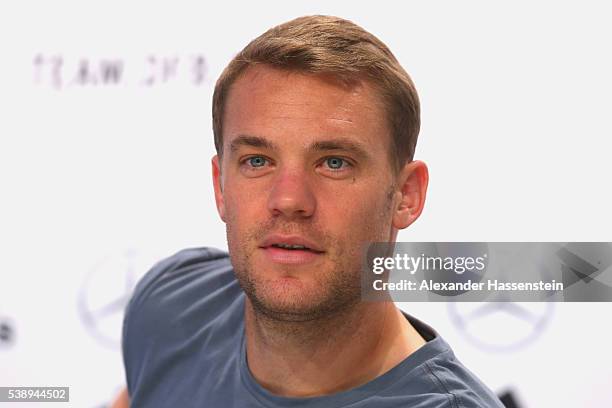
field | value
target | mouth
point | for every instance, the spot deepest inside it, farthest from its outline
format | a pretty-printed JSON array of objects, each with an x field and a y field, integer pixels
[
  {"x": 291, "y": 250},
  {"x": 292, "y": 247}
]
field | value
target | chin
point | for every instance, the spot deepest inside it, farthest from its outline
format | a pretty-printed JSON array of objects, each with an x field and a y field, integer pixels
[
  {"x": 286, "y": 298},
  {"x": 292, "y": 300}
]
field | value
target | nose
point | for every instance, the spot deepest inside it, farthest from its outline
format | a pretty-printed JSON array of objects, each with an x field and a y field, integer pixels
[{"x": 291, "y": 195}]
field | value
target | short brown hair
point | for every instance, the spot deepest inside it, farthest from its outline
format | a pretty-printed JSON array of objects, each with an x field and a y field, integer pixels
[{"x": 331, "y": 45}]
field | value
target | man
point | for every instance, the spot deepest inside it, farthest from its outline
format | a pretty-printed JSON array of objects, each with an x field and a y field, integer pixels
[{"x": 315, "y": 126}]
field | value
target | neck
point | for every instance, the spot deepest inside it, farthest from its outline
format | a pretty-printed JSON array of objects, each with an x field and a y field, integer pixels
[{"x": 329, "y": 354}]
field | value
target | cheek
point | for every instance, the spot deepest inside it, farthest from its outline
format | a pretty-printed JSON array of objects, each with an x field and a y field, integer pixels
[
  {"x": 241, "y": 205},
  {"x": 366, "y": 218}
]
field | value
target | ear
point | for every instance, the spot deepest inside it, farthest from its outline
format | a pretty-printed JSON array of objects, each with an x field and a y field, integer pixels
[
  {"x": 218, "y": 186},
  {"x": 412, "y": 184}
]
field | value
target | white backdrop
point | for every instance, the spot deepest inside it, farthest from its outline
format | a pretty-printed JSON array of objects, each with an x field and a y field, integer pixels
[{"x": 106, "y": 140}]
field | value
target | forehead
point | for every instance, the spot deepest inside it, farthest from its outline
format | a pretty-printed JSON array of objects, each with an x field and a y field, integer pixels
[{"x": 300, "y": 108}]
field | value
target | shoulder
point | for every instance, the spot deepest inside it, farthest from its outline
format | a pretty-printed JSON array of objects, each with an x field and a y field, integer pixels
[
  {"x": 190, "y": 266},
  {"x": 434, "y": 377},
  {"x": 191, "y": 275},
  {"x": 182, "y": 299},
  {"x": 464, "y": 388}
]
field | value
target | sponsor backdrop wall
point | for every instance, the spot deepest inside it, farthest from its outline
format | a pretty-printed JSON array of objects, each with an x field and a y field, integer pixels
[{"x": 105, "y": 147}]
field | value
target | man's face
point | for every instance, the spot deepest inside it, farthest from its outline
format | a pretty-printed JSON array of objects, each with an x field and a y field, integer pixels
[{"x": 304, "y": 183}]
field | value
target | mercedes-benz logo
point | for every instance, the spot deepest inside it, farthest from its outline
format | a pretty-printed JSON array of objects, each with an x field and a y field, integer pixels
[
  {"x": 501, "y": 326},
  {"x": 106, "y": 291}
]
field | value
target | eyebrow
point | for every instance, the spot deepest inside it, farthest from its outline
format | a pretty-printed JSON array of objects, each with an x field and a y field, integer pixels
[
  {"x": 340, "y": 144},
  {"x": 335, "y": 144},
  {"x": 251, "y": 141}
]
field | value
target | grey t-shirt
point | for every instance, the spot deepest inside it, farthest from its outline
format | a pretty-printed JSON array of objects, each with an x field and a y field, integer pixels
[{"x": 183, "y": 346}]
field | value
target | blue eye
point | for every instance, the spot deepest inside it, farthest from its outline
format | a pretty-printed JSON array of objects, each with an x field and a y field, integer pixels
[
  {"x": 256, "y": 161},
  {"x": 335, "y": 163}
]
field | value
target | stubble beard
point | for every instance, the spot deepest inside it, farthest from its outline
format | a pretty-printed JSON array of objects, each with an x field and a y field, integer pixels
[
  {"x": 338, "y": 290},
  {"x": 335, "y": 291}
]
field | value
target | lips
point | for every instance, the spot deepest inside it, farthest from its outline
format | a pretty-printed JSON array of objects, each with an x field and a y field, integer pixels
[
  {"x": 293, "y": 249},
  {"x": 291, "y": 243}
]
